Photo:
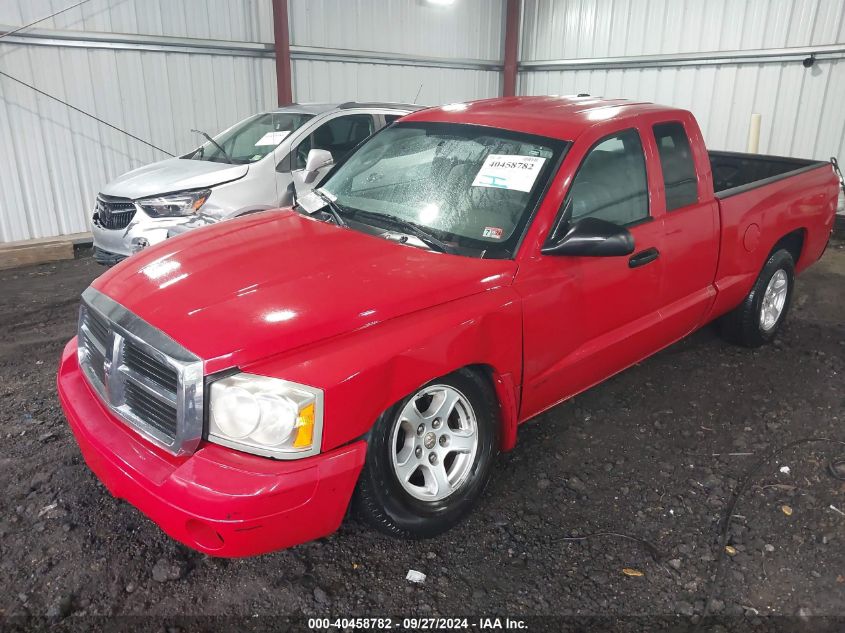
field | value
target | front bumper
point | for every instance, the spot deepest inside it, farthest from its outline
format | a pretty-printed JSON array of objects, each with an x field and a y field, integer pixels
[
  {"x": 196, "y": 222},
  {"x": 118, "y": 243},
  {"x": 218, "y": 501},
  {"x": 106, "y": 258}
]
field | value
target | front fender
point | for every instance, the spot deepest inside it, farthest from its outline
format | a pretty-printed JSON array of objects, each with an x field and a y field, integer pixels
[{"x": 365, "y": 372}]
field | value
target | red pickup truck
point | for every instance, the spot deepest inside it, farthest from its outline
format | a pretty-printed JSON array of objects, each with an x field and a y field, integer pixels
[{"x": 378, "y": 344}]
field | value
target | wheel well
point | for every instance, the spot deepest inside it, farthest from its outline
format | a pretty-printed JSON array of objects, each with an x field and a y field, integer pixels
[
  {"x": 507, "y": 400},
  {"x": 793, "y": 243},
  {"x": 486, "y": 372}
]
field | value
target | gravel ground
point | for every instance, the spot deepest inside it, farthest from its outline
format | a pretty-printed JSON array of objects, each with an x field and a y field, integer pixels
[{"x": 654, "y": 452}]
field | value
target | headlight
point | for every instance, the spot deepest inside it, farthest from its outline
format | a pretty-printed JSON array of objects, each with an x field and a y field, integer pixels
[
  {"x": 174, "y": 205},
  {"x": 266, "y": 416}
]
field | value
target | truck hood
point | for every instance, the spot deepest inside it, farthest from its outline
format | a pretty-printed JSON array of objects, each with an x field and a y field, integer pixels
[
  {"x": 173, "y": 174},
  {"x": 260, "y": 285}
]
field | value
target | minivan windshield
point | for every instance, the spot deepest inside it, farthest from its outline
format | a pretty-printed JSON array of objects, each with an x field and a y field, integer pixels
[
  {"x": 251, "y": 139},
  {"x": 470, "y": 186}
]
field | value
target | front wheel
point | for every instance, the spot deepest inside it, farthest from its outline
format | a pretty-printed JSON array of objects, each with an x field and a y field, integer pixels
[
  {"x": 758, "y": 318},
  {"x": 429, "y": 457}
]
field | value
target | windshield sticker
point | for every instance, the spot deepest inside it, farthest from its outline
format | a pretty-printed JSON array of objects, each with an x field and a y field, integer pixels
[
  {"x": 506, "y": 171},
  {"x": 311, "y": 202},
  {"x": 493, "y": 232},
  {"x": 272, "y": 138}
]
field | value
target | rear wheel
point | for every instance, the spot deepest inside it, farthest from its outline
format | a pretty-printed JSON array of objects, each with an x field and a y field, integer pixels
[
  {"x": 429, "y": 457},
  {"x": 758, "y": 318}
]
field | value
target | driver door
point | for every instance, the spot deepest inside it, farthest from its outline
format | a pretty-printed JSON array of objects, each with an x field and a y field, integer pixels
[
  {"x": 586, "y": 318},
  {"x": 339, "y": 135}
]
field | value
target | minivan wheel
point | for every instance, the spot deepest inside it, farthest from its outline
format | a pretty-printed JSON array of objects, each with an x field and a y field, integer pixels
[
  {"x": 758, "y": 318},
  {"x": 429, "y": 457}
]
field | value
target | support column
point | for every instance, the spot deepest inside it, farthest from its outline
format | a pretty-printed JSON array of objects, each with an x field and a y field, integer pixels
[
  {"x": 281, "y": 35},
  {"x": 511, "y": 48}
]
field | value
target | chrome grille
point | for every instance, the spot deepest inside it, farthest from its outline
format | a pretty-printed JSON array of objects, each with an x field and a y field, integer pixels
[
  {"x": 146, "y": 365},
  {"x": 161, "y": 415},
  {"x": 113, "y": 213},
  {"x": 147, "y": 380}
]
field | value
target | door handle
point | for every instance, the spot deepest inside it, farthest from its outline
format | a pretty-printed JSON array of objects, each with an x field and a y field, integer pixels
[{"x": 643, "y": 257}]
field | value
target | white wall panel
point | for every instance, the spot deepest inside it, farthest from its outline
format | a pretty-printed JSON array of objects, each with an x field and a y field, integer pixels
[
  {"x": 579, "y": 29},
  {"x": 802, "y": 109},
  {"x": 54, "y": 160},
  {"x": 345, "y": 81},
  {"x": 467, "y": 29},
  {"x": 236, "y": 20}
]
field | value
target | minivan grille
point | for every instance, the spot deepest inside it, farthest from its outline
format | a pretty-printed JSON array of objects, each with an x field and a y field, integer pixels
[
  {"x": 146, "y": 379},
  {"x": 114, "y": 213}
]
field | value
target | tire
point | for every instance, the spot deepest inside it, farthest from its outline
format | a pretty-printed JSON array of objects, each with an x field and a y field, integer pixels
[
  {"x": 745, "y": 324},
  {"x": 427, "y": 504}
]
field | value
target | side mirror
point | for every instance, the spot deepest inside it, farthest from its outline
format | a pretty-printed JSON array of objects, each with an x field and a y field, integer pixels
[
  {"x": 593, "y": 237},
  {"x": 317, "y": 159}
]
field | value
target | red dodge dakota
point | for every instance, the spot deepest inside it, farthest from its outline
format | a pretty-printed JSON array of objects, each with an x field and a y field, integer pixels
[{"x": 375, "y": 346}]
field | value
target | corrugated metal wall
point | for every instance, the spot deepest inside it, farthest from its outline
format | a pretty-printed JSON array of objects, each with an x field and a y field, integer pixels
[
  {"x": 53, "y": 160},
  {"x": 235, "y": 20},
  {"x": 340, "y": 81},
  {"x": 469, "y": 29},
  {"x": 802, "y": 108}
]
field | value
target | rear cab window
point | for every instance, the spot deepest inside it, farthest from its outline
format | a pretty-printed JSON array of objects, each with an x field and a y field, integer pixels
[{"x": 676, "y": 162}]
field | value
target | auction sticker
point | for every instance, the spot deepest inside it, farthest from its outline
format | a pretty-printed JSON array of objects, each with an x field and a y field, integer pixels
[
  {"x": 508, "y": 171},
  {"x": 272, "y": 138}
]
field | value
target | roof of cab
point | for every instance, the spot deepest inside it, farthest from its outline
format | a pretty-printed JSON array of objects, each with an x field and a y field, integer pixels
[
  {"x": 563, "y": 118},
  {"x": 320, "y": 108}
]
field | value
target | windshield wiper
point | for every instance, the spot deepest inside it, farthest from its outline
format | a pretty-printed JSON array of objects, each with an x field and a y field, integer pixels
[
  {"x": 216, "y": 144},
  {"x": 407, "y": 227},
  {"x": 334, "y": 208}
]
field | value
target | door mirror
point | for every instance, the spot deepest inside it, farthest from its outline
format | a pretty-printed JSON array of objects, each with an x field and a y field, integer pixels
[
  {"x": 593, "y": 237},
  {"x": 317, "y": 159}
]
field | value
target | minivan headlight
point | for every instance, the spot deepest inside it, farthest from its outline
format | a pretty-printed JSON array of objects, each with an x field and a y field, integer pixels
[
  {"x": 174, "y": 205},
  {"x": 265, "y": 416}
]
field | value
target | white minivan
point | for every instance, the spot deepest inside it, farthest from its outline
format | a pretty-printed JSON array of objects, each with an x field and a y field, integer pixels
[{"x": 260, "y": 163}]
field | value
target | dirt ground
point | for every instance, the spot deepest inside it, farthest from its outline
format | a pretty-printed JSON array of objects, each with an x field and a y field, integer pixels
[{"x": 654, "y": 453}]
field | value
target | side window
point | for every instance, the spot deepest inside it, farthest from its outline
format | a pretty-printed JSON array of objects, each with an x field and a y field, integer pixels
[
  {"x": 679, "y": 179},
  {"x": 338, "y": 136},
  {"x": 611, "y": 183},
  {"x": 390, "y": 118}
]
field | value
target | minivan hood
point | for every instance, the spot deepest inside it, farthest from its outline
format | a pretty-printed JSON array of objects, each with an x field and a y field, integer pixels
[
  {"x": 260, "y": 285},
  {"x": 173, "y": 174}
]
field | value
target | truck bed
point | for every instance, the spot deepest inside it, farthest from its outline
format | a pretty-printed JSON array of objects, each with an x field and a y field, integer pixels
[
  {"x": 764, "y": 201},
  {"x": 736, "y": 172}
]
